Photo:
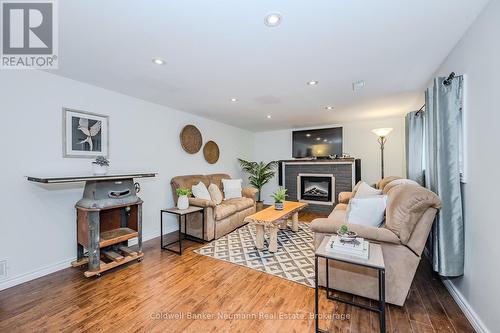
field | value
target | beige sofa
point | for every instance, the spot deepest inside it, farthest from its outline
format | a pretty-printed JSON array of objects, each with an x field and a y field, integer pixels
[
  {"x": 410, "y": 213},
  {"x": 219, "y": 219}
]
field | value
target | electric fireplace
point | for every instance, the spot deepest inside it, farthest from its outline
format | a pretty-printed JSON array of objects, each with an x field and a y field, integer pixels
[{"x": 316, "y": 188}]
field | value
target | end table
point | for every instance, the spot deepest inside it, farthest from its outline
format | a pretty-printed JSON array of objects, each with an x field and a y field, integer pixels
[
  {"x": 181, "y": 216},
  {"x": 374, "y": 261}
]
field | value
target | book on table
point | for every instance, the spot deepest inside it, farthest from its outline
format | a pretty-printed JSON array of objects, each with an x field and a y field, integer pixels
[{"x": 357, "y": 248}]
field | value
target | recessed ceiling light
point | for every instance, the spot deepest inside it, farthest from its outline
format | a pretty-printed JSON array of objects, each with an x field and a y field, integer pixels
[
  {"x": 234, "y": 100},
  {"x": 329, "y": 107},
  {"x": 268, "y": 116},
  {"x": 308, "y": 135},
  {"x": 159, "y": 61},
  {"x": 325, "y": 140},
  {"x": 272, "y": 20},
  {"x": 318, "y": 139},
  {"x": 312, "y": 83}
]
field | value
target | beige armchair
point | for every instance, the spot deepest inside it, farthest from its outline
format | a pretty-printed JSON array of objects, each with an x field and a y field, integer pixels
[
  {"x": 410, "y": 213},
  {"x": 220, "y": 219}
]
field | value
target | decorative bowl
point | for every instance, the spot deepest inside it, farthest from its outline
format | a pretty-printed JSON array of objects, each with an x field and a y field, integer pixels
[{"x": 347, "y": 237}]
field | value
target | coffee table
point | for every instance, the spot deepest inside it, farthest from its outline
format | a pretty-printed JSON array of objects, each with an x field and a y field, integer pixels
[{"x": 274, "y": 220}]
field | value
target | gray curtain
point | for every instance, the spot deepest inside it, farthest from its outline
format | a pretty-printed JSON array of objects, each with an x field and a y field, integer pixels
[
  {"x": 442, "y": 173},
  {"x": 414, "y": 146}
]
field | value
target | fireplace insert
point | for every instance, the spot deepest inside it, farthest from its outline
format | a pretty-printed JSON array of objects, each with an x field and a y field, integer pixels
[{"x": 316, "y": 188}]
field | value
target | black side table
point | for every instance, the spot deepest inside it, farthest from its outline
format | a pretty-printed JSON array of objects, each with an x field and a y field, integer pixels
[
  {"x": 375, "y": 261},
  {"x": 181, "y": 216}
]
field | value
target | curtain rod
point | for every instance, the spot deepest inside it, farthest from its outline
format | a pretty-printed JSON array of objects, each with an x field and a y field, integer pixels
[{"x": 446, "y": 82}]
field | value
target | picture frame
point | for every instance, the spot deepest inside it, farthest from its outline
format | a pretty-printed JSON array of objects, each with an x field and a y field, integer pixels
[{"x": 85, "y": 134}]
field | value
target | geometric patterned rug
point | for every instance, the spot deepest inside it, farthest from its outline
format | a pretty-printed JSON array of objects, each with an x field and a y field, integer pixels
[{"x": 293, "y": 261}]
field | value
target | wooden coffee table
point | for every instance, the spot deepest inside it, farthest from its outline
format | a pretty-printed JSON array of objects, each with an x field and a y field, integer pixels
[{"x": 274, "y": 220}]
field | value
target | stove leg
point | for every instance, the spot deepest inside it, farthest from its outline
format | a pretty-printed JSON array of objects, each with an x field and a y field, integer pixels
[
  {"x": 79, "y": 252},
  {"x": 139, "y": 227},
  {"x": 94, "y": 251}
]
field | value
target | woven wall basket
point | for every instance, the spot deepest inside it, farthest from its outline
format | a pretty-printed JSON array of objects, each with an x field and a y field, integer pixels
[
  {"x": 191, "y": 139},
  {"x": 211, "y": 152}
]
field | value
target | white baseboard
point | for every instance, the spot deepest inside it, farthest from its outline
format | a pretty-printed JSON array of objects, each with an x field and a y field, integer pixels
[
  {"x": 37, "y": 273},
  {"x": 465, "y": 307}
]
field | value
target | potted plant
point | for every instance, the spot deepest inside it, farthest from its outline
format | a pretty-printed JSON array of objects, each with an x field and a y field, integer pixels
[
  {"x": 182, "y": 200},
  {"x": 345, "y": 234},
  {"x": 260, "y": 173},
  {"x": 279, "y": 198},
  {"x": 100, "y": 165}
]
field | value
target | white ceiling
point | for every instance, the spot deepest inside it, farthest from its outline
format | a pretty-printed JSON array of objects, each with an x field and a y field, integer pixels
[{"x": 220, "y": 49}]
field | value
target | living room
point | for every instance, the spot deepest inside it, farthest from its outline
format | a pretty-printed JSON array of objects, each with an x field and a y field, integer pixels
[{"x": 116, "y": 126}]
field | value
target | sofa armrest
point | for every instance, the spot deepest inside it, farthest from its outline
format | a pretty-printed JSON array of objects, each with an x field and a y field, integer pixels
[
  {"x": 250, "y": 192},
  {"x": 202, "y": 202},
  {"x": 330, "y": 226},
  {"x": 344, "y": 197}
]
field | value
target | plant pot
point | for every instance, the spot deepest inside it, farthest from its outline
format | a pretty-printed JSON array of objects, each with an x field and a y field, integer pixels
[
  {"x": 260, "y": 205},
  {"x": 278, "y": 205},
  {"x": 99, "y": 170},
  {"x": 183, "y": 202}
]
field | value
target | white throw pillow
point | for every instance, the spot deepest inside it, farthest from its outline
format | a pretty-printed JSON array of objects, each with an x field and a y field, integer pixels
[
  {"x": 367, "y": 211},
  {"x": 365, "y": 190},
  {"x": 232, "y": 188},
  {"x": 215, "y": 193},
  {"x": 200, "y": 191}
]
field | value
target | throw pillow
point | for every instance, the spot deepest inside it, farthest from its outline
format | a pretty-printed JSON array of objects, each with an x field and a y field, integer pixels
[
  {"x": 215, "y": 193},
  {"x": 200, "y": 191},
  {"x": 232, "y": 188},
  {"x": 365, "y": 190},
  {"x": 367, "y": 211}
]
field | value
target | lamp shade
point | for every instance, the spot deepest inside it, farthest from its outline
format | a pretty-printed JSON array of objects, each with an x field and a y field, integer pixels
[{"x": 382, "y": 131}]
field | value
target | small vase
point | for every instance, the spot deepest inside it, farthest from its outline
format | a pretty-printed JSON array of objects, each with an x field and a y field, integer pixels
[
  {"x": 183, "y": 202},
  {"x": 278, "y": 205},
  {"x": 99, "y": 170}
]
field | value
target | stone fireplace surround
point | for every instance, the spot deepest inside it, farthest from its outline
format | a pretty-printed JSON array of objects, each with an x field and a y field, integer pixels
[{"x": 342, "y": 171}]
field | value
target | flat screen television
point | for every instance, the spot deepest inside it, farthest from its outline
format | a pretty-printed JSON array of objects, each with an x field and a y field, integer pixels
[{"x": 317, "y": 142}]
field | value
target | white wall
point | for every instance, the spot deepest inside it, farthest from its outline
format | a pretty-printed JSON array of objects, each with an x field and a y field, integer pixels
[
  {"x": 478, "y": 56},
  {"x": 37, "y": 222},
  {"x": 359, "y": 142}
]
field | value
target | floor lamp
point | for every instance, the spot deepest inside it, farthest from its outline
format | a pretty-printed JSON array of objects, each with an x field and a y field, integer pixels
[{"x": 382, "y": 139}]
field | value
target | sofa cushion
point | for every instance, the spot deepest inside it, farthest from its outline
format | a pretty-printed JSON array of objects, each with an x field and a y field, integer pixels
[
  {"x": 344, "y": 197},
  {"x": 331, "y": 224},
  {"x": 239, "y": 203},
  {"x": 406, "y": 204},
  {"x": 340, "y": 206},
  {"x": 187, "y": 182},
  {"x": 201, "y": 202},
  {"x": 216, "y": 179},
  {"x": 397, "y": 182},
  {"x": 384, "y": 181},
  {"x": 224, "y": 210}
]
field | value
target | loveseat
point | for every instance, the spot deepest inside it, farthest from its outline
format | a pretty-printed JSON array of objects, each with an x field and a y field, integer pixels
[
  {"x": 409, "y": 215},
  {"x": 220, "y": 219}
]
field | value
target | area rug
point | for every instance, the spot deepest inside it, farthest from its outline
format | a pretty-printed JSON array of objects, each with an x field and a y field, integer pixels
[{"x": 293, "y": 261}]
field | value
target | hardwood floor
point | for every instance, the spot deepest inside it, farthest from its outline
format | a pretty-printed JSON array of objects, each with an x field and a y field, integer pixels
[{"x": 165, "y": 292}]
